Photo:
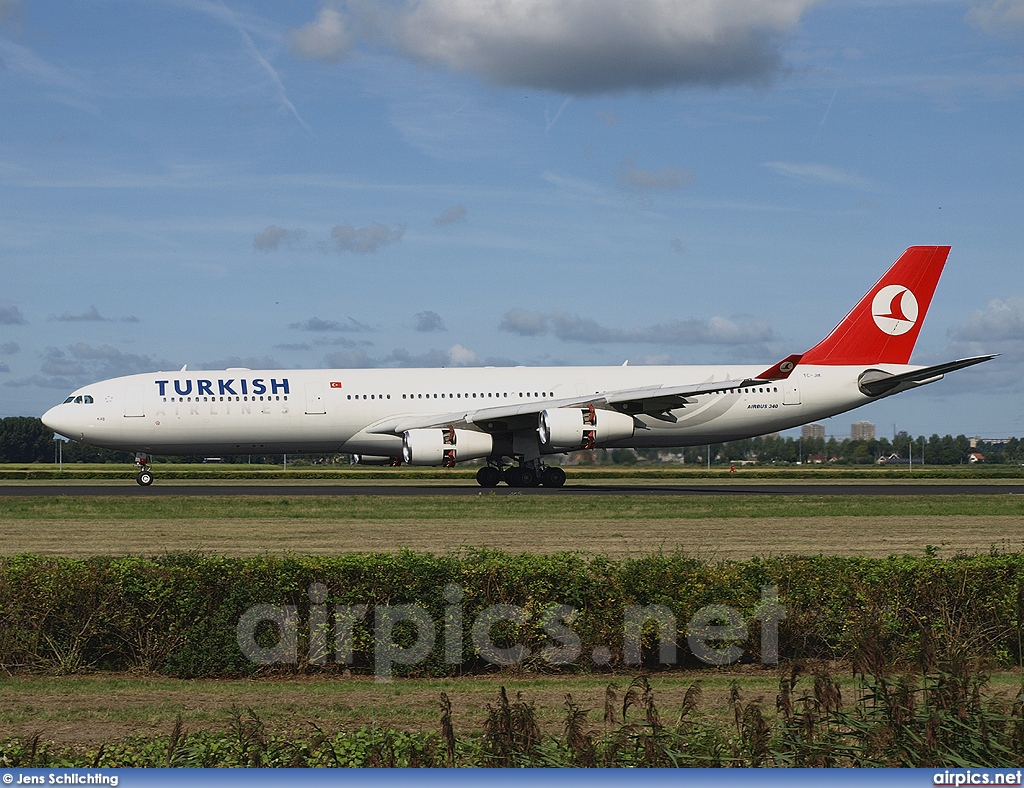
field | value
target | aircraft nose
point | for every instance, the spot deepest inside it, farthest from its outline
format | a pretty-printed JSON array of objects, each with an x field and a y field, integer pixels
[{"x": 60, "y": 419}]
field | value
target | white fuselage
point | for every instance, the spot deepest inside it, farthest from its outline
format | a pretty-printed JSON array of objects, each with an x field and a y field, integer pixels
[{"x": 313, "y": 411}]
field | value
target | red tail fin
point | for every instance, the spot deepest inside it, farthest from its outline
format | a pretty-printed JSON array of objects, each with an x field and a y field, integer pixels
[{"x": 883, "y": 327}]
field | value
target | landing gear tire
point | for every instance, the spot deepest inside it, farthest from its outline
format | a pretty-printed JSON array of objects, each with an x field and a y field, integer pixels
[
  {"x": 522, "y": 476},
  {"x": 144, "y": 478},
  {"x": 552, "y": 477},
  {"x": 488, "y": 476}
]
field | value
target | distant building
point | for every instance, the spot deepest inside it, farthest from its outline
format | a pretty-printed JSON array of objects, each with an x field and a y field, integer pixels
[
  {"x": 813, "y": 431},
  {"x": 992, "y": 442},
  {"x": 862, "y": 431}
]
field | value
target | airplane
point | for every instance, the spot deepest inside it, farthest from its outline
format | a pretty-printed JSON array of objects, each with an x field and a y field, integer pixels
[{"x": 515, "y": 417}]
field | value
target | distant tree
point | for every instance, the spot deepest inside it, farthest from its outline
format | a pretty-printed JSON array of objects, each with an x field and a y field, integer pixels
[{"x": 25, "y": 439}]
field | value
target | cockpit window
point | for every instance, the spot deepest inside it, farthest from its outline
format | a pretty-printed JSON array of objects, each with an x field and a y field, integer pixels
[
  {"x": 87, "y": 399},
  {"x": 78, "y": 400},
  {"x": 69, "y": 399}
]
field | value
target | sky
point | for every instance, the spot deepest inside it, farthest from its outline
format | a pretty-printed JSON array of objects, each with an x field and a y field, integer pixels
[{"x": 395, "y": 183}]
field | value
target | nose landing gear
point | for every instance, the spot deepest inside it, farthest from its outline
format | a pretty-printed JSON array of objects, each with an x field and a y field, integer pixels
[{"x": 144, "y": 477}]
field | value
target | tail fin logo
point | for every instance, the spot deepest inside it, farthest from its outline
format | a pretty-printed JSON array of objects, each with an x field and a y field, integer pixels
[{"x": 894, "y": 309}]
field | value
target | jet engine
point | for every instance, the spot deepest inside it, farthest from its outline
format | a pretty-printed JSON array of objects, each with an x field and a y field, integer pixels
[
  {"x": 445, "y": 446},
  {"x": 582, "y": 428}
]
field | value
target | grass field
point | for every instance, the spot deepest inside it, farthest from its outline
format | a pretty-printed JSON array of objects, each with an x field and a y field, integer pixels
[
  {"x": 102, "y": 708},
  {"x": 94, "y": 709},
  {"x": 710, "y": 527}
]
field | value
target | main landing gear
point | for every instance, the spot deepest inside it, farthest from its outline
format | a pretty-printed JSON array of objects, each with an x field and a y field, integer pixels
[
  {"x": 145, "y": 475},
  {"x": 523, "y": 475}
]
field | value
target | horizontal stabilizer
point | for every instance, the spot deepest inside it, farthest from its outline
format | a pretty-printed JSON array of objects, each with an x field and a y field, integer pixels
[{"x": 875, "y": 382}]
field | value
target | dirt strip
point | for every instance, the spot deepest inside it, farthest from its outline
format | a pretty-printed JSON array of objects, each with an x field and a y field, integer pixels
[{"x": 710, "y": 538}]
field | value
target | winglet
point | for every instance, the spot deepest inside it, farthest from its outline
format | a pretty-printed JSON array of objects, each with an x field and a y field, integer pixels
[{"x": 783, "y": 369}]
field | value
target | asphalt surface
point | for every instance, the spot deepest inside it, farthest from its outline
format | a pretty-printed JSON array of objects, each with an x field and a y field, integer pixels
[{"x": 128, "y": 488}]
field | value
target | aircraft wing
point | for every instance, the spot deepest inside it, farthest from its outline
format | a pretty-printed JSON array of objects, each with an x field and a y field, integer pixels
[
  {"x": 655, "y": 400},
  {"x": 875, "y": 382}
]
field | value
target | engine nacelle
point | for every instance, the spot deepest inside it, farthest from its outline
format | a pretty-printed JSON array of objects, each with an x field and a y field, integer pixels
[
  {"x": 445, "y": 446},
  {"x": 582, "y": 428},
  {"x": 374, "y": 459}
]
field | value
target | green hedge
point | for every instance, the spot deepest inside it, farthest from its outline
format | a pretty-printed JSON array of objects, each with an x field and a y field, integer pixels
[{"x": 178, "y": 614}]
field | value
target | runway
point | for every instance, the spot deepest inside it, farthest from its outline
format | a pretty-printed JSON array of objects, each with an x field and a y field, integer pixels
[{"x": 127, "y": 488}]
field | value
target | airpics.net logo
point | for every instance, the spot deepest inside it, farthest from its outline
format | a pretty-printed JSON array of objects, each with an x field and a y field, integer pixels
[
  {"x": 894, "y": 309},
  {"x": 407, "y": 634}
]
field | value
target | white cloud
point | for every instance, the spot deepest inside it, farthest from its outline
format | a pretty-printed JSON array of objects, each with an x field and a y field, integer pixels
[
  {"x": 319, "y": 324},
  {"x": 455, "y": 356},
  {"x": 365, "y": 240},
  {"x": 11, "y": 316},
  {"x": 90, "y": 315},
  {"x": 81, "y": 364},
  {"x": 665, "y": 179},
  {"x": 250, "y": 362},
  {"x": 573, "y": 328},
  {"x": 459, "y": 356},
  {"x": 998, "y": 17},
  {"x": 818, "y": 173},
  {"x": 428, "y": 321},
  {"x": 274, "y": 237},
  {"x": 325, "y": 38},
  {"x": 998, "y": 328},
  {"x": 456, "y": 213},
  {"x": 576, "y": 47},
  {"x": 344, "y": 341},
  {"x": 1000, "y": 321},
  {"x": 349, "y": 359},
  {"x": 524, "y": 322}
]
